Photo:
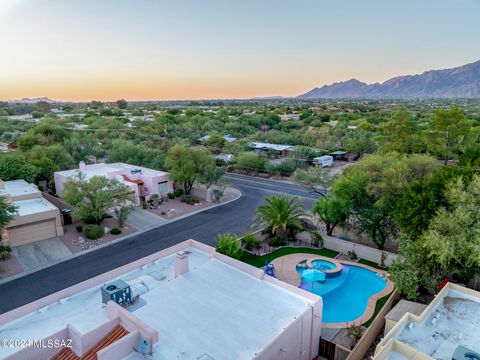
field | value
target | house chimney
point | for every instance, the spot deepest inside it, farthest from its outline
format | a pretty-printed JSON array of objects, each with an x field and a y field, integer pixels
[
  {"x": 181, "y": 263},
  {"x": 82, "y": 166},
  {"x": 2, "y": 185}
]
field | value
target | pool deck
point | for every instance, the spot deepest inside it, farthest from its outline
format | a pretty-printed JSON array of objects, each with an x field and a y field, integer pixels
[{"x": 285, "y": 270}]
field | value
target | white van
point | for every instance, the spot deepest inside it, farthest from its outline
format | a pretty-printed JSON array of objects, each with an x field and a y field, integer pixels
[{"x": 323, "y": 161}]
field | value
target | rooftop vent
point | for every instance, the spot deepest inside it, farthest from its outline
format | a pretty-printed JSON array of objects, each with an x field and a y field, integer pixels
[
  {"x": 117, "y": 291},
  {"x": 463, "y": 353}
]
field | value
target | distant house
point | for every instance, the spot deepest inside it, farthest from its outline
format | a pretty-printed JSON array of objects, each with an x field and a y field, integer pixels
[
  {"x": 142, "y": 181},
  {"x": 286, "y": 117},
  {"x": 282, "y": 150},
  {"x": 228, "y": 138},
  {"x": 36, "y": 218}
]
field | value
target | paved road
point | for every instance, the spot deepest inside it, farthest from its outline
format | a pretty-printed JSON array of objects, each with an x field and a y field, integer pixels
[{"x": 235, "y": 217}]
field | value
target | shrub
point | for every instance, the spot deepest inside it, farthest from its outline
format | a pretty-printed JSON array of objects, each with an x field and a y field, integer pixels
[
  {"x": 317, "y": 239},
  {"x": 178, "y": 192},
  {"x": 115, "y": 231},
  {"x": 188, "y": 199},
  {"x": 352, "y": 255},
  {"x": 5, "y": 252},
  {"x": 93, "y": 232},
  {"x": 276, "y": 241},
  {"x": 79, "y": 228},
  {"x": 287, "y": 167},
  {"x": 228, "y": 244},
  {"x": 251, "y": 161},
  {"x": 250, "y": 242},
  {"x": 171, "y": 196}
]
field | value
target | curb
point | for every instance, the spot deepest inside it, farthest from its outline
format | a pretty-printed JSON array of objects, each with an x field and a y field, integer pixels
[{"x": 237, "y": 196}]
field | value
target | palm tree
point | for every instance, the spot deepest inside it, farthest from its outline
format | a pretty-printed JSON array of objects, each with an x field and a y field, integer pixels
[{"x": 281, "y": 215}]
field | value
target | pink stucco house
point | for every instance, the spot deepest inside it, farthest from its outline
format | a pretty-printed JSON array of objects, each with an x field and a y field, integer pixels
[{"x": 142, "y": 181}]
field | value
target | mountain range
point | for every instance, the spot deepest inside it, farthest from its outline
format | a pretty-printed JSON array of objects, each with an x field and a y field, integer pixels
[
  {"x": 32, "y": 100},
  {"x": 458, "y": 82}
]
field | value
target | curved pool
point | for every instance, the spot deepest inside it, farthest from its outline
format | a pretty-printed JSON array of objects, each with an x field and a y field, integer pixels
[{"x": 345, "y": 297}]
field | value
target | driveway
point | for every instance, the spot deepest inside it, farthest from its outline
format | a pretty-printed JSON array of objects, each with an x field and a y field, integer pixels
[
  {"x": 144, "y": 220},
  {"x": 41, "y": 253},
  {"x": 234, "y": 217}
]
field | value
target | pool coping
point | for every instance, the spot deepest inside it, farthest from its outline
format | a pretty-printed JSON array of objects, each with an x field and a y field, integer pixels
[{"x": 285, "y": 270}]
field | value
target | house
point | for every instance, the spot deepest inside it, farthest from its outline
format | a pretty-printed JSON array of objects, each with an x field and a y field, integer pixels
[
  {"x": 142, "y": 181},
  {"x": 184, "y": 302},
  {"x": 228, "y": 138},
  {"x": 286, "y": 117},
  {"x": 282, "y": 150},
  {"x": 448, "y": 328},
  {"x": 36, "y": 218}
]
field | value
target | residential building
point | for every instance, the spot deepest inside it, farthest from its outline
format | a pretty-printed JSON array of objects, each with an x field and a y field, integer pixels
[
  {"x": 184, "y": 302},
  {"x": 286, "y": 117},
  {"x": 36, "y": 218},
  {"x": 228, "y": 138},
  {"x": 282, "y": 150},
  {"x": 448, "y": 328},
  {"x": 142, "y": 181}
]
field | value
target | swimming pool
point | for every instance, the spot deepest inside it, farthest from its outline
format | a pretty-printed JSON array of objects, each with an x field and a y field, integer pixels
[{"x": 345, "y": 297}]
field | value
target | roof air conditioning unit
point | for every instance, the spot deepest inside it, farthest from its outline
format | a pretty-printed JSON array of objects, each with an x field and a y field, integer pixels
[{"x": 118, "y": 291}]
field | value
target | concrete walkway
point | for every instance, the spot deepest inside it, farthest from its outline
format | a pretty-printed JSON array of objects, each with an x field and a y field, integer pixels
[
  {"x": 41, "y": 253},
  {"x": 144, "y": 220}
]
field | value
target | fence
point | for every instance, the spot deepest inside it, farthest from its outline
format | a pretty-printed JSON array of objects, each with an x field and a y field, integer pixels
[
  {"x": 369, "y": 336},
  {"x": 332, "y": 243},
  {"x": 362, "y": 251}
]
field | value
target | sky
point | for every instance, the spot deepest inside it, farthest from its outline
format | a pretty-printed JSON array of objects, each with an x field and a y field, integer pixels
[{"x": 83, "y": 50}]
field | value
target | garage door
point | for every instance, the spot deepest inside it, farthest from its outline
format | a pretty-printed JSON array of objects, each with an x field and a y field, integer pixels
[{"x": 28, "y": 233}]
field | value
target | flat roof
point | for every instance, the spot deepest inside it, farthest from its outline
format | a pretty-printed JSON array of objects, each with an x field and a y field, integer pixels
[
  {"x": 404, "y": 306},
  {"x": 214, "y": 309},
  {"x": 453, "y": 321},
  {"x": 33, "y": 206},
  {"x": 276, "y": 147},
  {"x": 103, "y": 169},
  {"x": 18, "y": 187}
]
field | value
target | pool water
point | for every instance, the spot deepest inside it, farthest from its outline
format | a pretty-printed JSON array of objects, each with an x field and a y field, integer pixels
[
  {"x": 323, "y": 265},
  {"x": 345, "y": 297}
]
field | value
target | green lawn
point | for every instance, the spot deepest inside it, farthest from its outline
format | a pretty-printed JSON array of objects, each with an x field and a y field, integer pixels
[
  {"x": 371, "y": 264},
  {"x": 378, "y": 307},
  {"x": 259, "y": 261}
]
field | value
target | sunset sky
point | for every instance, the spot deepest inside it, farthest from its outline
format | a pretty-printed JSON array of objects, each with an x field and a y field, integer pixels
[{"x": 199, "y": 49}]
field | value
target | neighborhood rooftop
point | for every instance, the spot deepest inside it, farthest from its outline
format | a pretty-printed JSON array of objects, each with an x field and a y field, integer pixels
[
  {"x": 17, "y": 188},
  {"x": 102, "y": 169},
  {"x": 269, "y": 146},
  {"x": 451, "y": 321},
  {"x": 218, "y": 307}
]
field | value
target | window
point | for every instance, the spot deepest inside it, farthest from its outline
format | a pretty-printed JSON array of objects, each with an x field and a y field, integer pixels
[{"x": 163, "y": 187}]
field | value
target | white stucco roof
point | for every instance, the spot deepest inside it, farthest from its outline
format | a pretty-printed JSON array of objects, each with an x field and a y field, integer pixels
[
  {"x": 18, "y": 187},
  {"x": 33, "y": 206},
  {"x": 213, "y": 309}
]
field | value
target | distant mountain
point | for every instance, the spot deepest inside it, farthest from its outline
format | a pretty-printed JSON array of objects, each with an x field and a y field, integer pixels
[
  {"x": 458, "y": 82},
  {"x": 33, "y": 100}
]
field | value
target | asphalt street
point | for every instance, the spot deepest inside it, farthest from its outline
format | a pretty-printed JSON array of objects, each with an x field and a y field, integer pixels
[{"x": 234, "y": 217}]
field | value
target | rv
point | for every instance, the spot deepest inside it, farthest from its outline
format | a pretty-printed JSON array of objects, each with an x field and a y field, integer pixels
[{"x": 323, "y": 161}]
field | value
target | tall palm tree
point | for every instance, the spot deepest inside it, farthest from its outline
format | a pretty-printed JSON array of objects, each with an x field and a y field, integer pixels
[{"x": 281, "y": 215}]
